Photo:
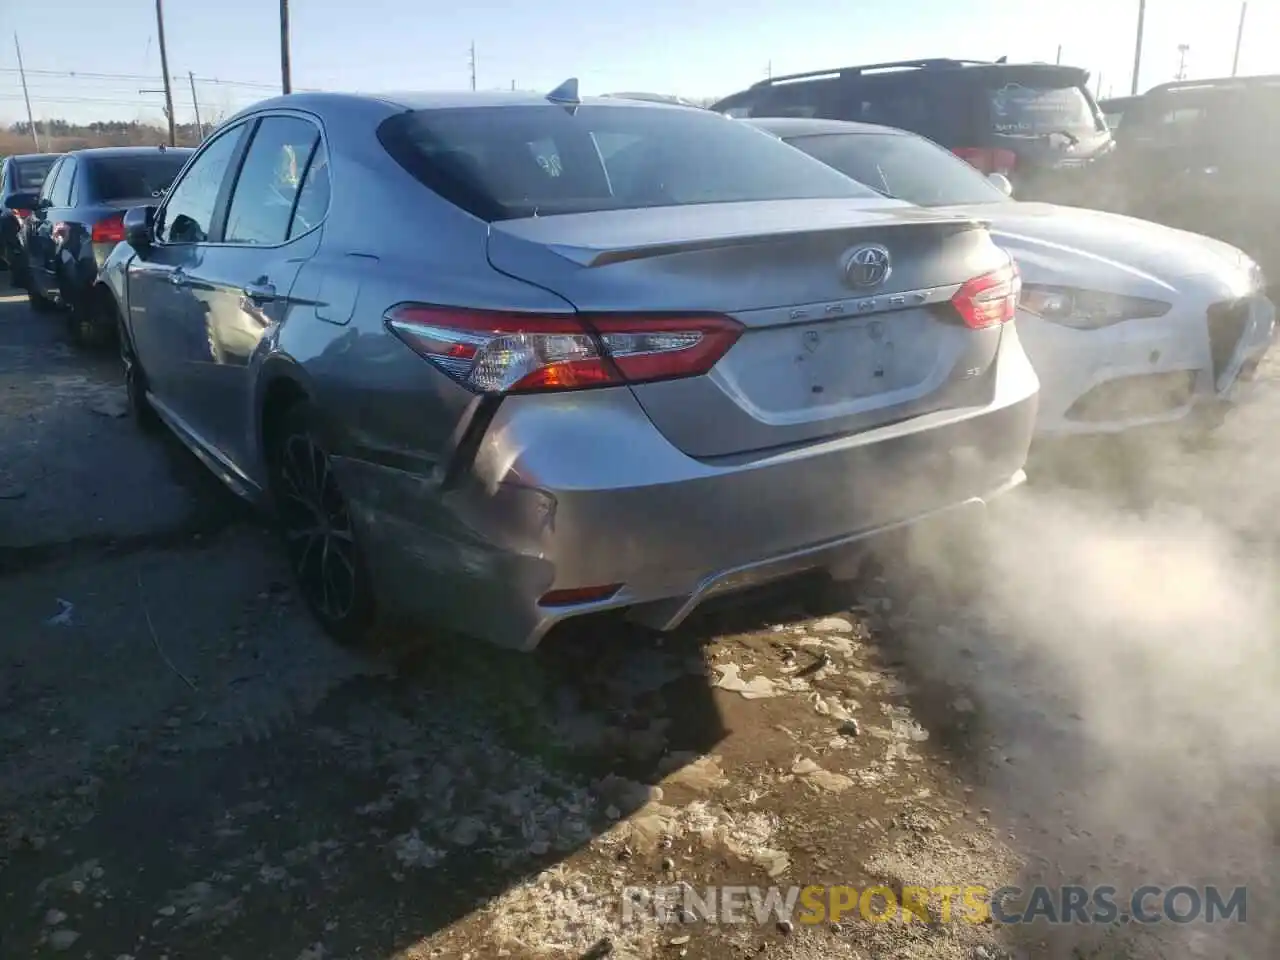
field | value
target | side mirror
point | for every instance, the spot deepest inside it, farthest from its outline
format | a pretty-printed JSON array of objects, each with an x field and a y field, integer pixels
[
  {"x": 1001, "y": 183},
  {"x": 139, "y": 227},
  {"x": 23, "y": 201}
]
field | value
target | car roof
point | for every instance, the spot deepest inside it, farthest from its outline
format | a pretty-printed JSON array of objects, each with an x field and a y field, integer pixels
[
  {"x": 651, "y": 98},
  {"x": 19, "y": 157},
  {"x": 806, "y": 126},
  {"x": 915, "y": 69},
  {"x": 441, "y": 100},
  {"x": 104, "y": 152},
  {"x": 1216, "y": 84}
]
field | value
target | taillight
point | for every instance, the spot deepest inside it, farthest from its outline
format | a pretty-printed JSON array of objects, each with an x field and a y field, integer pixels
[
  {"x": 498, "y": 352},
  {"x": 110, "y": 230},
  {"x": 989, "y": 299},
  {"x": 988, "y": 160},
  {"x": 21, "y": 214}
]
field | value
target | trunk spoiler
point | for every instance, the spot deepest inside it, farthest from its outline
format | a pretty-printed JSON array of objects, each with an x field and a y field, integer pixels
[{"x": 616, "y": 236}]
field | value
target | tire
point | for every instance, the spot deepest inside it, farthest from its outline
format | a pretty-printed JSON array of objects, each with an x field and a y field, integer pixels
[
  {"x": 17, "y": 271},
  {"x": 135, "y": 383},
  {"x": 90, "y": 322},
  {"x": 315, "y": 524},
  {"x": 38, "y": 303}
]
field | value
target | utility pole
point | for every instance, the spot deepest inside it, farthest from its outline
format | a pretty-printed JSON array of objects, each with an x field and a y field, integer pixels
[
  {"x": 1235, "y": 60},
  {"x": 164, "y": 68},
  {"x": 286, "y": 73},
  {"x": 1098, "y": 95},
  {"x": 26, "y": 96},
  {"x": 472, "y": 60},
  {"x": 768, "y": 70},
  {"x": 1059, "y": 60},
  {"x": 1137, "y": 47},
  {"x": 195, "y": 102},
  {"x": 1182, "y": 61}
]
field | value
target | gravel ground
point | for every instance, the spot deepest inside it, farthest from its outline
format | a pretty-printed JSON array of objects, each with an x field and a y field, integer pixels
[{"x": 188, "y": 769}]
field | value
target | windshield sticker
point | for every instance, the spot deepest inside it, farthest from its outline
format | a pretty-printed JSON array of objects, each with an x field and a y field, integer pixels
[{"x": 1020, "y": 109}]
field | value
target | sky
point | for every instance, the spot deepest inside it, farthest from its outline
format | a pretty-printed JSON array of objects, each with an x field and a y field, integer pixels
[{"x": 693, "y": 48}]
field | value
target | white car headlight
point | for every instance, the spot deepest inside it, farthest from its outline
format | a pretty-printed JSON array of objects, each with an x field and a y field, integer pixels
[
  {"x": 1087, "y": 309},
  {"x": 1257, "y": 279}
]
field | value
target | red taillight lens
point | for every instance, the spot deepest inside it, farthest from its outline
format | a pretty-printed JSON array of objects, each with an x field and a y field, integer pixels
[
  {"x": 21, "y": 214},
  {"x": 496, "y": 352},
  {"x": 988, "y": 160},
  {"x": 989, "y": 299},
  {"x": 110, "y": 230}
]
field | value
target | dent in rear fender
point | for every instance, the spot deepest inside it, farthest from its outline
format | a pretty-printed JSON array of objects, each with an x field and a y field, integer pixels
[{"x": 472, "y": 558}]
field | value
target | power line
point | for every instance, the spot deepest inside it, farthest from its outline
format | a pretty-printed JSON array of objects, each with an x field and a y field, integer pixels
[
  {"x": 137, "y": 101},
  {"x": 140, "y": 78}
]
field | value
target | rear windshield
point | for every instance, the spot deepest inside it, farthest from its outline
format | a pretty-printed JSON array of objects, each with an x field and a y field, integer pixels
[
  {"x": 506, "y": 162},
  {"x": 901, "y": 166},
  {"x": 136, "y": 177},
  {"x": 1039, "y": 109},
  {"x": 31, "y": 174}
]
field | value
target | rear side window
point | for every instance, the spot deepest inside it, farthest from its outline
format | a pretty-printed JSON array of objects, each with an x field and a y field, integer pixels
[
  {"x": 51, "y": 181},
  {"x": 313, "y": 198},
  {"x": 30, "y": 175},
  {"x": 267, "y": 188},
  {"x": 934, "y": 105},
  {"x": 136, "y": 177},
  {"x": 502, "y": 163},
  {"x": 1039, "y": 109},
  {"x": 60, "y": 194}
]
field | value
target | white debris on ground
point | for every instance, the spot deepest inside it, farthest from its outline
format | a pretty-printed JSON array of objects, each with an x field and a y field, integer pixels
[
  {"x": 757, "y": 688},
  {"x": 819, "y": 778},
  {"x": 564, "y": 913}
]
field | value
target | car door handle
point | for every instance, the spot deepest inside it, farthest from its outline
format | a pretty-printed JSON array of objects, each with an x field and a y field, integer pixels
[
  {"x": 179, "y": 279},
  {"x": 260, "y": 291}
]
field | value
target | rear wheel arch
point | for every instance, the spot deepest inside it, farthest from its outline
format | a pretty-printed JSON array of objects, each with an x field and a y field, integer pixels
[{"x": 282, "y": 391}]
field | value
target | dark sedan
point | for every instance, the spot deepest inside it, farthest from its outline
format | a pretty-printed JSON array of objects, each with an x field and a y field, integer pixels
[
  {"x": 77, "y": 220},
  {"x": 22, "y": 174}
]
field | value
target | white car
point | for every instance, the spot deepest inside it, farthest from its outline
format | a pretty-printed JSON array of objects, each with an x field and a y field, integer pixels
[{"x": 1128, "y": 323}]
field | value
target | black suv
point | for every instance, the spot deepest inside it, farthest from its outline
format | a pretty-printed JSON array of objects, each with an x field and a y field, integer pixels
[
  {"x": 1201, "y": 155},
  {"x": 1035, "y": 123}
]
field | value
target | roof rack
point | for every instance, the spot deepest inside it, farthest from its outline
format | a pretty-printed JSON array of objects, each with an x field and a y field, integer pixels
[
  {"x": 931, "y": 64},
  {"x": 1262, "y": 80}
]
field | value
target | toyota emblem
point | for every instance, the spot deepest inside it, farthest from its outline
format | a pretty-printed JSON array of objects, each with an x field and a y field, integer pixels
[{"x": 867, "y": 267}]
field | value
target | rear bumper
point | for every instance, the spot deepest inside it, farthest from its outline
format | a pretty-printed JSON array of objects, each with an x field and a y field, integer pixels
[{"x": 581, "y": 491}]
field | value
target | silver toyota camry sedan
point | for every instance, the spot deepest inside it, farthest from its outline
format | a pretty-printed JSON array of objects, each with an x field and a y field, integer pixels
[{"x": 499, "y": 360}]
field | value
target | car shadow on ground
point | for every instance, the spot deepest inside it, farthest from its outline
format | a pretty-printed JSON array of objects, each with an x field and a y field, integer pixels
[{"x": 406, "y": 800}]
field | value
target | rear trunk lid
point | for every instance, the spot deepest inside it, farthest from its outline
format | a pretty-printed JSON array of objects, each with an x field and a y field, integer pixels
[{"x": 819, "y": 357}]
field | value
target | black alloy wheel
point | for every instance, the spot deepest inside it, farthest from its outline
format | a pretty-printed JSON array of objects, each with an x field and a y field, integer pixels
[{"x": 318, "y": 533}]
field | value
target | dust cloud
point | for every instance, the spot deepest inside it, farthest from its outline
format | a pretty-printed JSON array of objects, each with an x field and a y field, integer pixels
[{"x": 1119, "y": 641}]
